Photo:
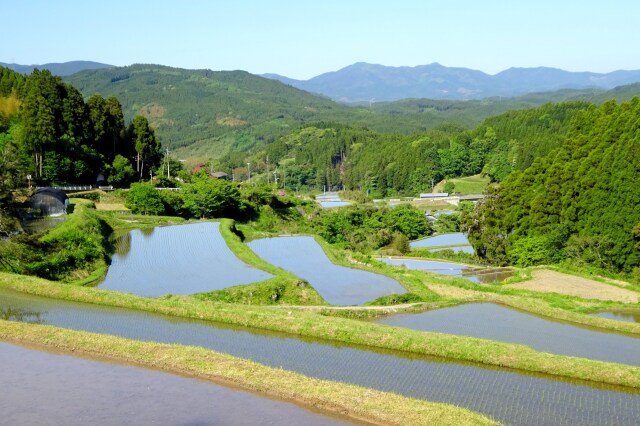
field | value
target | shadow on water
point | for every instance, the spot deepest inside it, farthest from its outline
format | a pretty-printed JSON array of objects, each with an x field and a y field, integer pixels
[
  {"x": 629, "y": 315},
  {"x": 511, "y": 397}
]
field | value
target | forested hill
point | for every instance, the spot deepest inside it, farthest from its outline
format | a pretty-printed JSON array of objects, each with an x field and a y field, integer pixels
[
  {"x": 60, "y": 69},
  {"x": 214, "y": 111},
  {"x": 578, "y": 203},
  {"x": 336, "y": 156}
]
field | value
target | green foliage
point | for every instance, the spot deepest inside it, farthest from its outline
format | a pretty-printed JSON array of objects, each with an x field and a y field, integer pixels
[
  {"x": 579, "y": 203},
  {"x": 208, "y": 198},
  {"x": 144, "y": 198},
  {"x": 449, "y": 187},
  {"x": 368, "y": 228},
  {"x": 64, "y": 253},
  {"x": 446, "y": 223},
  {"x": 121, "y": 171}
]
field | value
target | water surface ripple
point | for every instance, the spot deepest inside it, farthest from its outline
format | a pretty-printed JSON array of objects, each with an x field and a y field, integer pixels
[
  {"x": 338, "y": 285},
  {"x": 510, "y": 397},
  {"x": 495, "y": 322}
]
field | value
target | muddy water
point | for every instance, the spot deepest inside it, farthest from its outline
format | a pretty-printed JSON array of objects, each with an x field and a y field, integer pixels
[
  {"x": 181, "y": 259},
  {"x": 510, "y": 397},
  {"x": 495, "y": 322},
  {"x": 338, "y": 285},
  {"x": 42, "y": 388}
]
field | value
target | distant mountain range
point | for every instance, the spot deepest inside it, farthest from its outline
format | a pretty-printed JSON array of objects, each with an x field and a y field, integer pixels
[
  {"x": 362, "y": 82},
  {"x": 61, "y": 69}
]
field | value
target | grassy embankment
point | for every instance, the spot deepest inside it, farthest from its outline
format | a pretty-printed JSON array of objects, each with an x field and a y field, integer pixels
[
  {"x": 283, "y": 288},
  {"x": 552, "y": 305},
  {"x": 345, "y": 400},
  {"x": 305, "y": 324}
]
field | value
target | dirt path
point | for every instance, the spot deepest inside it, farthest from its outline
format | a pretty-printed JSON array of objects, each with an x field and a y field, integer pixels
[
  {"x": 388, "y": 308},
  {"x": 556, "y": 282}
]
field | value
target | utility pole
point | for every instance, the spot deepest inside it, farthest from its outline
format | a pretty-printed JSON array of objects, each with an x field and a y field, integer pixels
[
  {"x": 268, "y": 174},
  {"x": 166, "y": 158}
]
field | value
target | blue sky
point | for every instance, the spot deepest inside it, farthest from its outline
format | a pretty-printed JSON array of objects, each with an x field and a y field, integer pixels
[{"x": 304, "y": 38}]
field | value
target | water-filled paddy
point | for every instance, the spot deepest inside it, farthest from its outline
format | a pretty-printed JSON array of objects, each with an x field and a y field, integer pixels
[
  {"x": 629, "y": 315},
  {"x": 42, "y": 388},
  {"x": 456, "y": 238},
  {"x": 480, "y": 275},
  {"x": 510, "y": 397},
  {"x": 331, "y": 199},
  {"x": 338, "y": 285},
  {"x": 495, "y": 322},
  {"x": 440, "y": 242},
  {"x": 181, "y": 259}
]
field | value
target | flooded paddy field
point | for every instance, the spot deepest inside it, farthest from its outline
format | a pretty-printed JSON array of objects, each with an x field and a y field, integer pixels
[
  {"x": 43, "y": 388},
  {"x": 495, "y": 322},
  {"x": 180, "y": 259},
  {"x": 457, "y": 242},
  {"x": 338, "y": 285},
  {"x": 475, "y": 274},
  {"x": 510, "y": 397},
  {"x": 629, "y": 315}
]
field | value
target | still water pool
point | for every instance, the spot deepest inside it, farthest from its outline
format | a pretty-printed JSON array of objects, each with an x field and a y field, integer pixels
[
  {"x": 510, "y": 397},
  {"x": 181, "y": 259}
]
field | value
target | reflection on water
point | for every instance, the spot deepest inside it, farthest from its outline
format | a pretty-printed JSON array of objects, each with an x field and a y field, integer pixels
[
  {"x": 11, "y": 313},
  {"x": 509, "y": 397},
  {"x": 338, "y": 285},
  {"x": 42, "y": 388},
  {"x": 181, "y": 259},
  {"x": 456, "y": 238},
  {"x": 629, "y": 315},
  {"x": 495, "y": 322},
  {"x": 475, "y": 274},
  {"x": 42, "y": 224}
]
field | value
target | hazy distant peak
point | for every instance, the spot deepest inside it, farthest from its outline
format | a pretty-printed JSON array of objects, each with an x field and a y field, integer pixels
[{"x": 58, "y": 68}]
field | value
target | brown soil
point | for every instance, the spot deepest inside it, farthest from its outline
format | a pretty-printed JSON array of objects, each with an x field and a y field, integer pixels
[
  {"x": 153, "y": 111},
  {"x": 111, "y": 206},
  {"x": 556, "y": 282},
  {"x": 230, "y": 121}
]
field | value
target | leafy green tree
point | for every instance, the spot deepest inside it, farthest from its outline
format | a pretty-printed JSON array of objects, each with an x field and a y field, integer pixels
[
  {"x": 449, "y": 187},
  {"x": 206, "y": 198},
  {"x": 121, "y": 171},
  {"x": 144, "y": 198},
  {"x": 147, "y": 146},
  {"x": 409, "y": 221}
]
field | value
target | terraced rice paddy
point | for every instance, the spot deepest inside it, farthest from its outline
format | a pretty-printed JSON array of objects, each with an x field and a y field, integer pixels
[
  {"x": 181, "y": 259},
  {"x": 479, "y": 275},
  {"x": 331, "y": 199},
  {"x": 457, "y": 242},
  {"x": 47, "y": 389},
  {"x": 509, "y": 397},
  {"x": 629, "y": 315},
  {"x": 495, "y": 322},
  {"x": 338, "y": 285}
]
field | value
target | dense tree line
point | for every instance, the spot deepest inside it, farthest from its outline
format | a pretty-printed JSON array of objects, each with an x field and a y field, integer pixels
[
  {"x": 48, "y": 131},
  {"x": 578, "y": 203}
]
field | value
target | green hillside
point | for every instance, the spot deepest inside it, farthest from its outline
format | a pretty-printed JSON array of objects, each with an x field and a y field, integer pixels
[{"x": 579, "y": 203}]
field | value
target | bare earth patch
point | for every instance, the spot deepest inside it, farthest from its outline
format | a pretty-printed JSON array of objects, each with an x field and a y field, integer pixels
[
  {"x": 111, "y": 206},
  {"x": 230, "y": 121},
  {"x": 556, "y": 282},
  {"x": 452, "y": 291}
]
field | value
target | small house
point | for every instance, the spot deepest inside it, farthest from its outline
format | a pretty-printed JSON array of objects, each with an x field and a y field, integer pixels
[{"x": 50, "y": 201}]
